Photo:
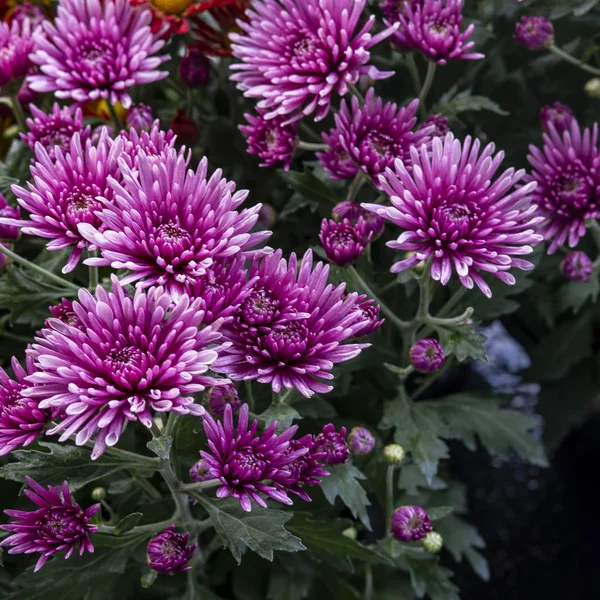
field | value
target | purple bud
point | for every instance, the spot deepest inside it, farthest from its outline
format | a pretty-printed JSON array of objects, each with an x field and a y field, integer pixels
[
  {"x": 332, "y": 444},
  {"x": 195, "y": 68},
  {"x": 343, "y": 242},
  {"x": 200, "y": 471},
  {"x": 427, "y": 355},
  {"x": 410, "y": 524},
  {"x": 439, "y": 124},
  {"x": 64, "y": 311},
  {"x": 361, "y": 441},
  {"x": 534, "y": 33},
  {"x": 169, "y": 552},
  {"x": 140, "y": 118},
  {"x": 352, "y": 211},
  {"x": 370, "y": 312},
  {"x": 577, "y": 266},
  {"x": 8, "y": 232},
  {"x": 559, "y": 114},
  {"x": 222, "y": 395}
]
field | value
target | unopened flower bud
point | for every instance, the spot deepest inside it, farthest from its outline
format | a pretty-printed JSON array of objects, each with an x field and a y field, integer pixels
[
  {"x": 410, "y": 524},
  {"x": 98, "y": 494},
  {"x": 393, "y": 454},
  {"x": 350, "y": 533},
  {"x": 535, "y": 33},
  {"x": 427, "y": 355},
  {"x": 361, "y": 441},
  {"x": 592, "y": 88},
  {"x": 433, "y": 542},
  {"x": 222, "y": 395},
  {"x": 577, "y": 266},
  {"x": 195, "y": 68}
]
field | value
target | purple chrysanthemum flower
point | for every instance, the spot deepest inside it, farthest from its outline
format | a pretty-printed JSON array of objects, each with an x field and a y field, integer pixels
[
  {"x": 361, "y": 441},
  {"x": 370, "y": 312},
  {"x": 97, "y": 50},
  {"x": 139, "y": 118},
  {"x": 335, "y": 160},
  {"x": 21, "y": 419},
  {"x": 295, "y": 54},
  {"x": 243, "y": 461},
  {"x": 194, "y": 68},
  {"x": 200, "y": 471},
  {"x": 433, "y": 28},
  {"x": 221, "y": 396},
  {"x": 27, "y": 11},
  {"x": 16, "y": 44},
  {"x": 374, "y": 134},
  {"x": 534, "y": 33},
  {"x": 353, "y": 212},
  {"x": 454, "y": 215},
  {"x": 128, "y": 357},
  {"x": 59, "y": 524},
  {"x": 392, "y": 9},
  {"x": 333, "y": 445},
  {"x": 290, "y": 331},
  {"x": 65, "y": 313},
  {"x": 168, "y": 552},
  {"x": 65, "y": 192},
  {"x": 427, "y": 355},
  {"x": 271, "y": 140},
  {"x": 559, "y": 114},
  {"x": 577, "y": 266},
  {"x": 435, "y": 125},
  {"x": 55, "y": 129},
  {"x": 168, "y": 226},
  {"x": 8, "y": 232},
  {"x": 410, "y": 524},
  {"x": 154, "y": 144},
  {"x": 343, "y": 242},
  {"x": 568, "y": 184}
]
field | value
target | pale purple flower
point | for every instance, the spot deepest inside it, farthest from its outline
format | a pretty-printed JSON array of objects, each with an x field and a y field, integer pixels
[
  {"x": 97, "y": 50},
  {"x": 353, "y": 212},
  {"x": 568, "y": 185},
  {"x": 577, "y": 266},
  {"x": 535, "y": 33},
  {"x": 361, "y": 441},
  {"x": 342, "y": 241},
  {"x": 65, "y": 313},
  {"x": 370, "y": 312},
  {"x": 8, "y": 232},
  {"x": 456, "y": 216},
  {"x": 296, "y": 54},
  {"x": 55, "y": 129},
  {"x": 290, "y": 331},
  {"x": 139, "y": 118},
  {"x": 244, "y": 461},
  {"x": 335, "y": 160},
  {"x": 434, "y": 28},
  {"x": 167, "y": 226},
  {"x": 168, "y": 552},
  {"x": 333, "y": 445},
  {"x": 410, "y": 524},
  {"x": 427, "y": 355},
  {"x": 221, "y": 396},
  {"x": 66, "y": 192},
  {"x": 58, "y": 524},
  {"x": 129, "y": 356},
  {"x": 559, "y": 114},
  {"x": 16, "y": 44},
  {"x": 21, "y": 419},
  {"x": 271, "y": 140},
  {"x": 154, "y": 143}
]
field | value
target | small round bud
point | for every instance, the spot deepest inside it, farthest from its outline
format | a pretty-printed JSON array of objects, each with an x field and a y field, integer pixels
[
  {"x": 535, "y": 33},
  {"x": 332, "y": 444},
  {"x": 433, "y": 542},
  {"x": 98, "y": 494},
  {"x": 592, "y": 88},
  {"x": 222, "y": 395},
  {"x": 350, "y": 533},
  {"x": 200, "y": 471},
  {"x": 393, "y": 454},
  {"x": 361, "y": 441},
  {"x": 577, "y": 266},
  {"x": 427, "y": 355},
  {"x": 558, "y": 114},
  {"x": 410, "y": 524},
  {"x": 195, "y": 68},
  {"x": 140, "y": 118}
]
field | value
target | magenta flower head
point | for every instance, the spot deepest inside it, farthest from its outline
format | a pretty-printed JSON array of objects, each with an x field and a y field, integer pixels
[
  {"x": 290, "y": 331},
  {"x": 27, "y": 11},
  {"x": 167, "y": 226},
  {"x": 454, "y": 214},
  {"x": 361, "y": 441},
  {"x": 559, "y": 114},
  {"x": 65, "y": 192},
  {"x": 335, "y": 160},
  {"x": 370, "y": 312},
  {"x": 375, "y": 134},
  {"x": 55, "y": 129},
  {"x": 243, "y": 461},
  {"x": 21, "y": 419},
  {"x": 353, "y": 212},
  {"x": 343, "y": 242},
  {"x": 577, "y": 266},
  {"x": 97, "y": 50},
  {"x": 410, "y": 524},
  {"x": 195, "y": 68},
  {"x": 427, "y": 355},
  {"x": 295, "y": 54},
  {"x": 8, "y": 232},
  {"x": 16, "y": 44},
  {"x": 568, "y": 188},
  {"x": 433, "y": 27},
  {"x": 271, "y": 140},
  {"x": 535, "y": 33},
  {"x": 65, "y": 313},
  {"x": 333, "y": 445},
  {"x": 154, "y": 144},
  {"x": 435, "y": 125},
  {"x": 128, "y": 357},
  {"x": 168, "y": 552},
  {"x": 200, "y": 471},
  {"x": 58, "y": 524},
  {"x": 139, "y": 118},
  {"x": 221, "y": 396}
]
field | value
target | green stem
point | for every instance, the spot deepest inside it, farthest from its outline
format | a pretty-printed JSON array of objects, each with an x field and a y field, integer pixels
[
  {"x": 389, "y": 497},
  {"x": 23, "y": 261},
  {"x": 356, "y": 185},
  {"x": 424, "y": 293},
  {"x": 114, "y": 117},
  {"x": 368, "y": 581},
  {"x": 595, "y": 231},
  {"x": 147, "y": 487},
  {"x": 574, "y": 61},
  {"x": 196, "y": 487},
  {"x": 399, "y": 323},
  {"x": 450, "y": 322},
  {"x": 249, "y": 395},
  {"x": 452, "y": 301},
  {"x": 150, "y": 528},
  {"x": 302, "y": 145},
  {"x": 426, "y": 87},
  {"x": 432, "y": 379},
  {"x": 356, "y": 92},
  {"x": 18, "y": 112},
  {"x": 141, "y": 461},
  {"x": 411, "y": 65},
  {"x": 93, "y": 280}
]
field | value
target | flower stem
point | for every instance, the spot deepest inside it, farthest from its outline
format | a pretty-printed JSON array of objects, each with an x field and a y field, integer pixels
[
  {"x": 399, "y": 323},
  {"x": 18, "y": 112},
  {"x": 432, "y": 379},
  {"x": 389, "y": 497},
  {"x": 574, "y": 61},
  {"x": 301, "y": 145},
  {"x": 93, "y": 280},
  {"x": 368, "y": 582},
  {"x": 449, "y": 322},
  {"x": 356, "y": 185},
  {"x": 201, "y": 485},
  {"x": 249, "y": 395},
  {"x": 411, "y": 65},
  {"x": 426, "y": 87},
  {"x": 595, "y": 231},
  {"x": 356, "y": 92},
  {"x": 114, "y": 117},
  {"x": 147, "y": 487},
  {"x": 23, "y": 261},
  {"x": 150, "y": 528}
]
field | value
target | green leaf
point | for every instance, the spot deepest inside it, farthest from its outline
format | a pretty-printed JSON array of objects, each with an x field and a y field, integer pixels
[
  {"x": 462, "y": 540},
  {"x": 284, "y": 414},
  {"x": 463, "y": 341},
  {"x": 343, "y": 481},
  {"x": 127, "y": 523},
  {"x": 451, "y": 104},
  {"x": 61, "y": 463},
  {"x": 308, "y": 186},
  {"x": 262, "y": 530},
  {"x": 315, "y": 408},
  {"x": 339, "y": 588},
  {"x": 439, "y": 512},
  {"x": 411, "y": 479},
  {"x": 188, "y": 438},
  {"x": 284, "y": 585},
  {"x": 573, "y": 295},
  {"x": 148, "y": 578},
  {"x": 161, "y": 446},
  {"x": 428, "y": 577}
]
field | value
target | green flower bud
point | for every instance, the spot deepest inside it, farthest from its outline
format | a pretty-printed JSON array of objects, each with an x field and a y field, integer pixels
[
  {"x": 98, "y": 494},
  {"x": 433, "y": 542},
  {"x": 592, "y": 88},
  {"x": 350, "y": 533},
  {"x": 393, "y": 454}
]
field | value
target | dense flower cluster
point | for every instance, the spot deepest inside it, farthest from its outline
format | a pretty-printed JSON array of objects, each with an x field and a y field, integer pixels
[
  {"x": 353, "y": 211},
  {"x": 344, "y": 242},
  {"x": 16, "y": 44}
]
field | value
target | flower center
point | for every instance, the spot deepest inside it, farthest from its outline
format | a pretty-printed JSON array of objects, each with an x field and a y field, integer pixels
[
  {"x": 172, "y": 7},
  {"x": 259, "y": 308},
  {"x": 81, "y": 204},
  {"x": 382, "y": 144},
  {"x": 11, "y": 396},
  {"x": 127, "y": 364},
  {"x": 173, "y": 232},
  {"x": 414, "y": 523},
  {"x": 288, "y": 342},
  {"x": 248, "y": 466},
  {"x": 304, "y": 47},
  {"x": 343, "y": 237},
  {"x": 458, "y": 212},
  {"x": 170, "y": 548},
  {"x": 439, "y": 30},
  {"x": 271, "y": 138}
]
